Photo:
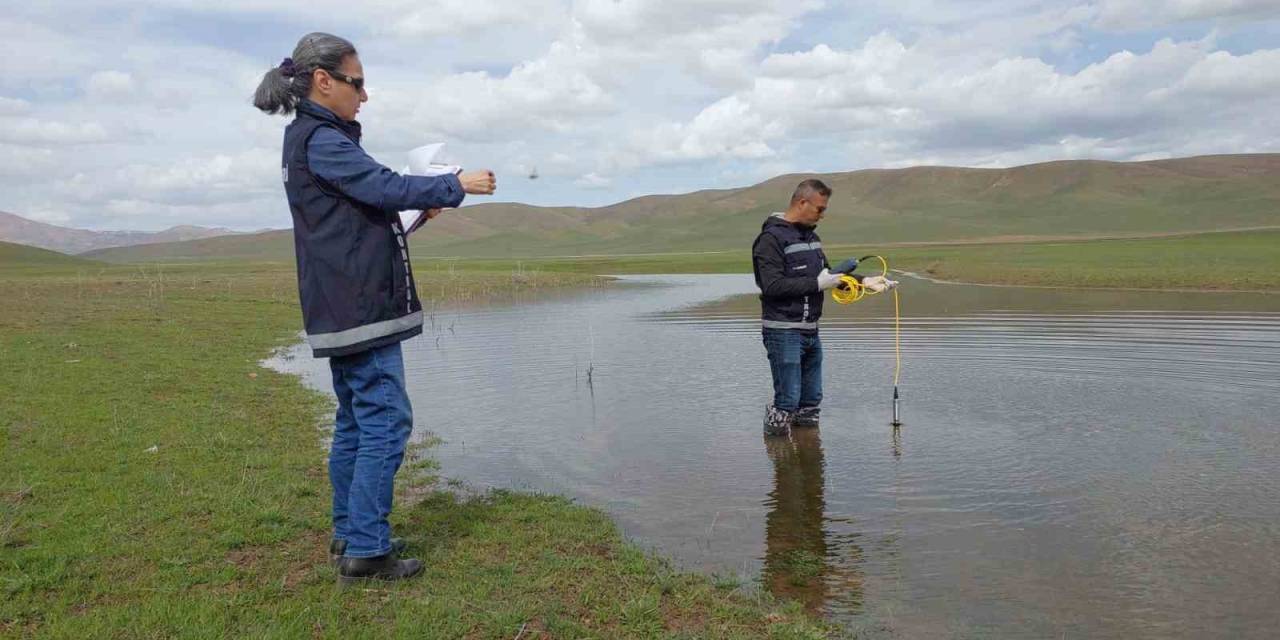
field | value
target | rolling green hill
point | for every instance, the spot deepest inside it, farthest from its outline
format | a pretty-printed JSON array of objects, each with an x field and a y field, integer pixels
[
  {"x": 269, "y": 246},
  {"x": 1066, "y": 199},
  {"x": 20, "y": 256}
]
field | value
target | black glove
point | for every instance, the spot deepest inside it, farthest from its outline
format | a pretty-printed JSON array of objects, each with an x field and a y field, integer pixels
[{"x": 846, "y": 267}]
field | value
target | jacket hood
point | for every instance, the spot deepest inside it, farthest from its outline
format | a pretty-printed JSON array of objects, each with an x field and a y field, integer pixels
[
  {"x": 349, "y": 127},
  {"x": 776, "y": 219}
]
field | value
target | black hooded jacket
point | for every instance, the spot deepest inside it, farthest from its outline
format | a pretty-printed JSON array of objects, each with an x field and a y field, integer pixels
[{"x": 787, "y": 258}]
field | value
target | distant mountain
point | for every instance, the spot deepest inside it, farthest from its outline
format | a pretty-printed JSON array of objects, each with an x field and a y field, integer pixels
[
  {"x": 15, "y": 228},
  {"x": 1072, "y": 198}
]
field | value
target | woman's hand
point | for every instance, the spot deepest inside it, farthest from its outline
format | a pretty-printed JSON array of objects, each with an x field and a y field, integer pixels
[{"x": 478, "y": 182}]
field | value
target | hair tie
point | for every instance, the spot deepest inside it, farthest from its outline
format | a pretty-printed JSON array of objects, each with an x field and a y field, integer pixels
[{"x": 287, "y": 68}]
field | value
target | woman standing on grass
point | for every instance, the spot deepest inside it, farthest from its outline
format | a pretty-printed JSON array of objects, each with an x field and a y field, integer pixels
[{"x": 357, "y": 290}]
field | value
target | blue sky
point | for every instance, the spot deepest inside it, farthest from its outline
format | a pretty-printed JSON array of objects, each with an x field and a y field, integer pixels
[{"x": 135, "y": 115}]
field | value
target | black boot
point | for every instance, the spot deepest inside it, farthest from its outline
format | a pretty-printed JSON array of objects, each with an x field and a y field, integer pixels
[
  {"x": 805, "y": 417},
  {"x": 776, "y": 421},
  {"x": 337, "y": 547},
  {"x": 388, "y": 568}
]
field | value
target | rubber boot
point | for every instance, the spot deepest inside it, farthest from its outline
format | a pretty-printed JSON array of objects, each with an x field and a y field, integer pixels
[
  {"x": 776, "y": 421},
  {"x": 805, "y": 417}
]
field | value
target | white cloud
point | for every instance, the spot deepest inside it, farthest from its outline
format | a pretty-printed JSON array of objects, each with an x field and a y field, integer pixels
[
  {"x": 477, "y": 106},
  {"x": 110, "y": 86},
  {"x": 889, "y": 96},
  {"x": 430, "y": 18},
  {"x": 593, "y": 181},
  {"x": 729, "y": 129},
  {"x": 13, "y": 106},
  {"x": 222, "y": 177},
  {"x": 35, "y": 131},
  {"x": 39, "y": 53},
  {"x": 608, "y": 51},
  {"x": 24, "y": 162},
  {"x": 704, "y": 38},
  {"x": 1221, "y": 76},
  {"x": 215, "y": 179},
  {"x": 1135, "y": 14},
  {"x": 611, "y": 98}
]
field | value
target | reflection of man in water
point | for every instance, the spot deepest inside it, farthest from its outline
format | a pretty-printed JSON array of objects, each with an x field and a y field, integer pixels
[{"x": 796, "y": 547}]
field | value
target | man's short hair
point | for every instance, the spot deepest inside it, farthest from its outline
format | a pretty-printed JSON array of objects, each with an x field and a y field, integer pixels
[{"x": 810, "y": 188}]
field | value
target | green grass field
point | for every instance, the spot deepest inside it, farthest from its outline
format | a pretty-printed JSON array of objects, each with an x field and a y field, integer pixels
[
  {"x": 1247, "y": 260},
  {"x": 1218, "y": 261},
  {"x": 159, "y": 483}
]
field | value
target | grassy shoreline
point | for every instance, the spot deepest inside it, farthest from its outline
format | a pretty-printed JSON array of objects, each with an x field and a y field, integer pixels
[
  {"x": 1219, "y": 261},
  {"x": 159, "y": 483}
]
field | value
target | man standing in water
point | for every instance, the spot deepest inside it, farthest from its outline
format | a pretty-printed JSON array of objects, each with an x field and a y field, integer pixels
[
  {"x": 357, "y": 291},
  {"x": 793, "y": 275}
]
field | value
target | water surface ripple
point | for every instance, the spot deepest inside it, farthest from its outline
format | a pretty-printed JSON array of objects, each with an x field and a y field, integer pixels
[{"x": 1073, "y": 463}]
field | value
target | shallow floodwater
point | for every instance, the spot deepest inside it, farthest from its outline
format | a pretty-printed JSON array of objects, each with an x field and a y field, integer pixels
[{"x": 1072, "y": 463}]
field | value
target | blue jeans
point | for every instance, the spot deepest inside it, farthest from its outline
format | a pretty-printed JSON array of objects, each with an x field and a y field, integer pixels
[
  {"x": 373, "y": 423},
  {"x": 795, "y": 359}
]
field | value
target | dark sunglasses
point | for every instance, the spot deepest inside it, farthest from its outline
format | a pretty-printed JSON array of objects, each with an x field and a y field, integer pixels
[{"x": 356, "y": 83}]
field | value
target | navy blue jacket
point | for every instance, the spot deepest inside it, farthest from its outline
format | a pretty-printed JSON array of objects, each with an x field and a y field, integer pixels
[
  {"x": 354, "y": 278},
  {"x": 787, "y": 258}
]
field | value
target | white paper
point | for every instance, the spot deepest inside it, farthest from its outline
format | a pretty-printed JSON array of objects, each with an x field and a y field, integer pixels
[{"x": 423, "y": 162}]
